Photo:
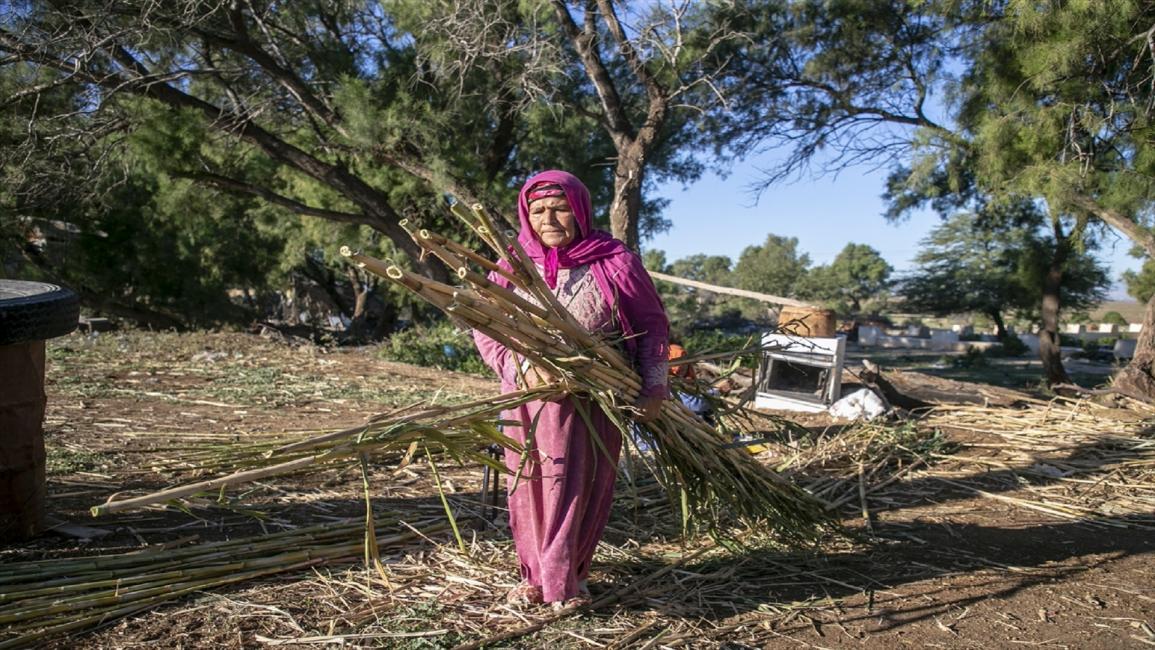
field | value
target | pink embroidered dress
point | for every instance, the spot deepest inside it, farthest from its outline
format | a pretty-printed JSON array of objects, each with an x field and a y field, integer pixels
[{"x": 560, "y": 504}]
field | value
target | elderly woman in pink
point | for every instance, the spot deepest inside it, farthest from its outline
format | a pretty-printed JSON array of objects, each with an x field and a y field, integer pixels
[{"x": 559, "y": 505}]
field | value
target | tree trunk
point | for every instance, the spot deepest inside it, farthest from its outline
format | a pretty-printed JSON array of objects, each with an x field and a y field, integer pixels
[
  {"x": 627, "y": 201},
  {"x": 631, "y": 141},
  {"x": 1049, "y": 351},
  {"x": 1138, "y": 378},
  {"x": 1000, "y": 326},
  {"x": 358, "y": 320},
  {"x": 326, "y": 280}
]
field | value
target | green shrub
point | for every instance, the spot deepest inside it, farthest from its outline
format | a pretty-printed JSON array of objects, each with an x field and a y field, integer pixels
[
  {"x": 1114, "y": 318},
  {"x": 1013, "y": 346},
  {"x": 972, "y": 358},
  {"x": 439, "y": 345}
]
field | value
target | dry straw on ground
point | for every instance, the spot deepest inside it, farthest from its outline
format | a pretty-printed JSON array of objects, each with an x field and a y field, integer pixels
[{"x": 650, "y": 587}]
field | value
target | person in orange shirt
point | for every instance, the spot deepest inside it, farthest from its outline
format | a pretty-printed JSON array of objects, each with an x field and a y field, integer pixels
[{"x": 685, "y": 371}]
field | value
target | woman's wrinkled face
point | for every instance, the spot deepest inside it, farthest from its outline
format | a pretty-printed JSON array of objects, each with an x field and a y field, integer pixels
[{"x": 553, "y": 221}]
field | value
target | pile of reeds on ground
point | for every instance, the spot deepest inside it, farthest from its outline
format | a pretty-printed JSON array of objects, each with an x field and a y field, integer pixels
[
  {"x": 46, "y": 599},
  {"x": 1073, "y": 459}
]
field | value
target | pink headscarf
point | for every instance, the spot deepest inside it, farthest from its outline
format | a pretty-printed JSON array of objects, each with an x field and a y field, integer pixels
[{"x": 588, "y": 244}]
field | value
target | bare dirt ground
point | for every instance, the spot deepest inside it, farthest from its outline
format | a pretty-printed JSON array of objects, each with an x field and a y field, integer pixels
[{"x": 1008, "y": 525}]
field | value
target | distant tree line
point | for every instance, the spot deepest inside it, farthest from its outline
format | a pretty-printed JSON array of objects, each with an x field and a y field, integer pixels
[
  {"x": 965, "y": 266},
  {"x": 858, "y": 279}
]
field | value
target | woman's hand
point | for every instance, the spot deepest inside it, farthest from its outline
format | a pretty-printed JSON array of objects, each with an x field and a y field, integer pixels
[
  {"x": 648, "y": 407},
  {"x": 535, "y": 377}
]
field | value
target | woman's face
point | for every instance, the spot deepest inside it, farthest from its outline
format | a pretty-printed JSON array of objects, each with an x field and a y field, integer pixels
[{"x": 553, "y": 221}]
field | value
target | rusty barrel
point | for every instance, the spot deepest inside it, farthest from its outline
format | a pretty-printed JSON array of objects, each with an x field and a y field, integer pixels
[
  {"x": 30, "y": 313},
  {"x": 813, "y": 322}
]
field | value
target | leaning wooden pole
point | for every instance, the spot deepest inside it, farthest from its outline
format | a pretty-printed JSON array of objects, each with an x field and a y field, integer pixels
[{"x": 730, "y": 291}]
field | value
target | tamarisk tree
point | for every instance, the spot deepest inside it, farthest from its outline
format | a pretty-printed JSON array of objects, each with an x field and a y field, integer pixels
[
  {"x": 988, "y": 262},
  {"x": 344, "y": 110}
]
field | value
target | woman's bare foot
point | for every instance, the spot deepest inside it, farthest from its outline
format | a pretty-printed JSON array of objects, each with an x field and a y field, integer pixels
[
  {"x": 524, "y": 594},
  {"x": 582, "y": 599}
]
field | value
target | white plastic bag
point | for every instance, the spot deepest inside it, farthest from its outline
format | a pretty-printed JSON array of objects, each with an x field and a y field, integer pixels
[{"x": 862, "y": 404}]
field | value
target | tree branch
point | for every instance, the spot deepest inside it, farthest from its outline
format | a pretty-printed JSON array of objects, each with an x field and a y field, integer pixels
[
  {"x": 1117, "y": 220},
  {"x": 242, "y": 187},
  {"x": 242, "y": 44},
  {"x": 135, "y": 78},
  {"x": 653, "y": 89},
  {"x": 585, "y": 42}
]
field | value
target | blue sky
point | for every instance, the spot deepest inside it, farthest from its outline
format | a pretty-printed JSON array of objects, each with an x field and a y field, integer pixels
[{"x": 719, "y": 216}]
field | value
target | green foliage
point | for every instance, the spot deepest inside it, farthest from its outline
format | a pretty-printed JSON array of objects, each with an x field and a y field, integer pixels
[
  {"x": 775, "y": 267},
  {"x": 1059, "y": 101},
  {"x": 993, "y": 262},
  {"x": 354, "y": 114},
  {"x": 655, "y": 260},
  {"x": 1084, "y": 281},
  {"x": 438, "y": 345},
  {"x": 711, "y": 269},
  {"x": 823, "y": 77},
  {"x": 972, "y": 358},
  {"x": 61, "y": 461},
  {"x": 711, "y": 340},
  {"x": 1114, "y": 318},
  {"x": 1013, "y": 346},
  {"x": 197, "y": 246},
  {"x": 688, "y": 307},
  {"x": 1141, "y": 284},
  {"x": 857, "y": 275},
  {"x": 142, "y": 243},
  {"x": 1092, "y": 346}
]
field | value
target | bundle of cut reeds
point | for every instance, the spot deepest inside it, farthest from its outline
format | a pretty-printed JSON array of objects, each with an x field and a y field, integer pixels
[{"x": 713, "y": 480}]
